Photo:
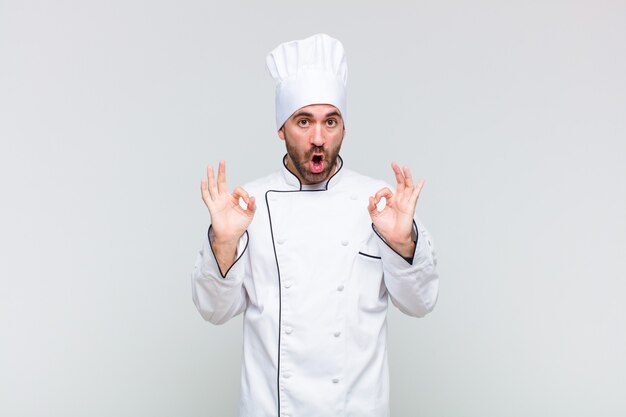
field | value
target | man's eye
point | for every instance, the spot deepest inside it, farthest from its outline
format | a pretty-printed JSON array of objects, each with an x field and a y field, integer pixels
[
  {"x": 331, "y": 122},
  {"x": 303, "y": 122}
]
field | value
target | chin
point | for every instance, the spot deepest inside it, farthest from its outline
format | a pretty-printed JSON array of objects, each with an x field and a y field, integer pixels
[
  {"x": 317, "y": 178},
  {"x": 314, "y": 179}
]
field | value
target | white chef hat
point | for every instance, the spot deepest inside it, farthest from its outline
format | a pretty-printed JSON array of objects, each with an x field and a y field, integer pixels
[{"x": 308, "y": 71}]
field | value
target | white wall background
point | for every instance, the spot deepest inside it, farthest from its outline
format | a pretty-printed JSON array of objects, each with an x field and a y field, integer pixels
[{"x": 513, "y": 111}]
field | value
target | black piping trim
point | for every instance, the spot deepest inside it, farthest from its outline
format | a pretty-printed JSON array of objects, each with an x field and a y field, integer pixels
[
  {"x": 280, "y": 302},
  {"x": 409, "y": 260},
  {"x": 218, "y": 264},
  {"x": 369, "y": 256},
  {"x": 300, "y": 182},
  {"x": 280, "y": 297}
]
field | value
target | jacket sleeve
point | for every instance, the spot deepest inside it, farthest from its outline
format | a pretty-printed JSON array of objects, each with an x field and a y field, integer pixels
[
  {"x": 412, "y": 286},
  {"x": 219, "y": 296}
]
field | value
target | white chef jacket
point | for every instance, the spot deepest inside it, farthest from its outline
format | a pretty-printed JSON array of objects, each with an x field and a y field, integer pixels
[{"x": 313, "y": 279}]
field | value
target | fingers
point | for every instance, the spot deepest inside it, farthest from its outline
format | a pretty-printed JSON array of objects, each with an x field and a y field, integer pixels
[
  {"x": 204, "y": 190},
  {"x": 403, "y": 177},
  {"x": 399, "y": 177},
  {"x": 405, "y": 183},
  {"x": 240, "y": 193},
  {"x": 383, "y": 192},
  {"x": 408, "y": 179},
  {"x": 373, "y": 201},
  {"x": 212, "y": 189},
  {"x": 221, "y": 178},
  {"x": 251, "y": 206},
  {"x": 417, "y": 190},
  {"x": 371, "y": 207}
]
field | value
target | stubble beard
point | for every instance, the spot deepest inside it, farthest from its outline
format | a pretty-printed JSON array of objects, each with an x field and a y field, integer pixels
[{"x": 302, "y": 163}]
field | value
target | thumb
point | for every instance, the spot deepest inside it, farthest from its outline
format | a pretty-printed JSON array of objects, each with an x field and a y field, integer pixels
[
  {"x": 371, "y": 207},
  {"x": 251, "y": 206}
]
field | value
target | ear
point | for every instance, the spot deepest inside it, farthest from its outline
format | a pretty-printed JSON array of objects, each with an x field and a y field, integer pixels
[{"x": 281, "y": 133}]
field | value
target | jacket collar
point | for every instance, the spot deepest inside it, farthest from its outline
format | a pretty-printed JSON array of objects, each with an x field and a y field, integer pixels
[{"x": 294, "y": 182}]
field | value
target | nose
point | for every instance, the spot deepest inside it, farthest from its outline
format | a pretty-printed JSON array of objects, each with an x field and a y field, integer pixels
[{"x": 317, "y": 136}]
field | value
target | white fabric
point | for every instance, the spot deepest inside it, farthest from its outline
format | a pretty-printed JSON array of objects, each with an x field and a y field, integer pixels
[
  {"x": 308, "y": 71},
  {"x": 314, "y": 281}
]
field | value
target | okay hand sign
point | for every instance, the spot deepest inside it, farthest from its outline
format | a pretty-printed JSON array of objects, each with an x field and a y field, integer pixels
[
  {"x": 395, "y": 221},
  {"x": 229, "y": 220}
]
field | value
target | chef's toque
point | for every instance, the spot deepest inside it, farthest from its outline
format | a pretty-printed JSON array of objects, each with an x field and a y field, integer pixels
[{"x": 308, "y": 71}]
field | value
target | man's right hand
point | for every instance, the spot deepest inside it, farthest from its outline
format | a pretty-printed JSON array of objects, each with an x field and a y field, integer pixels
[{"x": 229, "y": 220}]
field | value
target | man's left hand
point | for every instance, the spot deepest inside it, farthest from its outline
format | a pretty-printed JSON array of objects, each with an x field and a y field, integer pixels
[{"x": 395, "y": 221}]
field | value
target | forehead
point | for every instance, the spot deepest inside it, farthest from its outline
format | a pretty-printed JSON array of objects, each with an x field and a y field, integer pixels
[{"x": 317, "y": 111}]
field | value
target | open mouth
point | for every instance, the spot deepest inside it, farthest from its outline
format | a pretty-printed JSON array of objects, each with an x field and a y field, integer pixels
[{"x": 317, "y": 163}]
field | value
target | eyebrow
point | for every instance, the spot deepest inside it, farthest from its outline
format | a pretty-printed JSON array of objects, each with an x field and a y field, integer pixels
[
  {"x": 310, "y": 115},
  {"x": 333, "y": 113}
]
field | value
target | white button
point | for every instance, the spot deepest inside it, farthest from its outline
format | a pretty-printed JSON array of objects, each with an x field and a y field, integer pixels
[
  {"x": 287, "y": 375},
  {"x": 287, "y": 284},
  {"x": 345, "y": 242},
  {"x": 353, "y": 197},
  {"x": 337, "y": 334},
  {"x": 280, "y": 241},
  {"x": 335, "y": 380},
  {"x": 288, "y": 330},
  {"x": 340, "y": 288}
]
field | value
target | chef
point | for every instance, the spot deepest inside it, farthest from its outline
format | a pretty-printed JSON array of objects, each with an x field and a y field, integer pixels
[{"x": 312, "y": 255}]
